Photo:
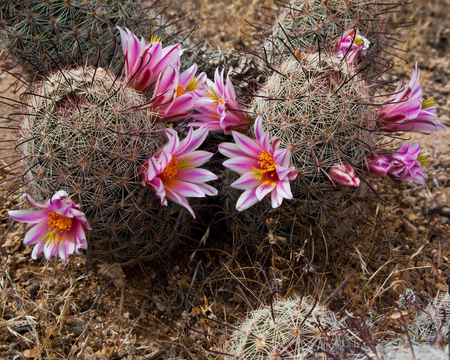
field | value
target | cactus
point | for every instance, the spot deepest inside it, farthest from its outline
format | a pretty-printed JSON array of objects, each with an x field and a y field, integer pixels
[
  {"x": 288, "y": 329},
  {"x": 310, "y": 25},
  {"x": 46, "y": 35},
  {"x": 85, "y": 134},
  {"x": 325, "y": 119}
]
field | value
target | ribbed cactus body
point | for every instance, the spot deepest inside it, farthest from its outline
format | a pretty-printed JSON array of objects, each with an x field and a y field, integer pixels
[{"x": 85, "y": 133}]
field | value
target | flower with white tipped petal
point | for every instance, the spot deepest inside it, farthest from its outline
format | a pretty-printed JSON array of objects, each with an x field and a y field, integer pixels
[
  {"x": 173, "y": 172},
  {"x": 378, "y": 165},
  {"x": 175, "y": 94},
  {"x": 223, "y": 113},
  {"x": 352, "y": 46},
  {"x": 57, "y": 227},
  {"x": 144, "y": 62},
  {"x": 264, "y": 167},
  {"x": 406, "y": 164},
  {"x": 406, "y": 110},
  {"x": 344, "y": 175}
]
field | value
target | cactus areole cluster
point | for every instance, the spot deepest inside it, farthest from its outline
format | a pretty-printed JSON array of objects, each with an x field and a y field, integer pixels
[{"x": 113, "y": 164}]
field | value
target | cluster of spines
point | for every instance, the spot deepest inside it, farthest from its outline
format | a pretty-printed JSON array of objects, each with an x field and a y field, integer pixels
[{"x": 85, "y": 133}]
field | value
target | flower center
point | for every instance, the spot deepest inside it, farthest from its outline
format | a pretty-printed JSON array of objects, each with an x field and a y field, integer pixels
[
  {"x": 181, "y": 90},
  {"x": 428, "y": 103},
  {"x": 192, "y": 85},
  {"x": 155, "y": 39},
  {"x": 59, "y": 222},
  {"x": 171, "y": 169},
  {"x": 423, "y": 160},
  {"x": 58, "y": 225},
  {"x": 266, "y": 165}
]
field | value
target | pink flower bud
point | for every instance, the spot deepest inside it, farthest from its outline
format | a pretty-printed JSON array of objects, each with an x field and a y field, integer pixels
[
  {"x": 344, "y": 175},
  {"x": 378, "y": 165}
]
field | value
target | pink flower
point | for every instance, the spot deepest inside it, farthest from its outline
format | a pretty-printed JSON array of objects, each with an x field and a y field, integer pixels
[
  {"x": 175, "y": 94},
  {"x": 407, "y": 111},
  {"x": 352, "y": 46},
  {"x": 173, "y": 172},
  {"x": 344, "y": 175},
  {"x": 406, "y": 166},
  {"x": 58, "y": 226},
  {"x": 264, "y": 168},
  {"x": 378, "y": 165},
  {"x": 144, "y": 63},
  {"x": 224, "y": 113}
]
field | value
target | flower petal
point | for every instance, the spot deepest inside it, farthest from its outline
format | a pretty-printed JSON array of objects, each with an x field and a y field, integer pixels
[{"x": 247, "y": 199}]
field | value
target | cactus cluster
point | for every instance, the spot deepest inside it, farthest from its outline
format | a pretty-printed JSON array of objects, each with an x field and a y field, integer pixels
[
  {"x": 87, "y": 134},
  {"x": 291, "y": 329}
]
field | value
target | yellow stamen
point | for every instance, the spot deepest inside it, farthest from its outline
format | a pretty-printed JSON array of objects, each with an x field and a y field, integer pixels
[
  {"x": 155, "y": 39},
  {"x": 57, "y": 226},
  {"x": 266, "y": 165},
  {"x": 171, "y": 169},
  {"x": 428, "y": 103},
  {"x": 184, "y": 164},
  {"x": 212, "y": 95},
  {"x": 423, "y": 160},
  {"x": 59, "y": 222},
  {"x": 192, "y": 85},
  {"x": 359, "y": 41}
]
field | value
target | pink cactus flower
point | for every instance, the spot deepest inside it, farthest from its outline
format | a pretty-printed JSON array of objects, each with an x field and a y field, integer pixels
[
  {"x": 144, "y": 62},
  {"x": 378, "y": 165},
  {"x": 406, "y": 164},
  {"x": 264, "y": 167},
  {"x": 224, "y": 113},
  {"x": 173, "y": 173},
  {"x": 175, "y": 94},
  {"x": 406, "y": 110},
  {"x": 352, "y": 46},
  {"x": 57, "y": 227},
  {"x": 344, "y": 175}
]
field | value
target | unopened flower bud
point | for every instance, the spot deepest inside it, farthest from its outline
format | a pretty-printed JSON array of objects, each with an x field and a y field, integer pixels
[{"x": 344, "y": 175}]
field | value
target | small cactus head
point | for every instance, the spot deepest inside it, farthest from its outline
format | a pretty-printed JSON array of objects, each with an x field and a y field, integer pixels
[{"x": 87, "y": 134}]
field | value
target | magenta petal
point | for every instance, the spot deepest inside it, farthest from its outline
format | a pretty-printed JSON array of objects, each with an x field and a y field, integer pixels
[
  {"x": 247, "y": 145},
  {"x": 246, "y": 200},
  {"x": 173, "y": 143},
  {"x": 282, "y": 157},
  {"x": 185, "y": 189},
  {"x": 38, "y": 248},
  {"x": 241, "y": 164},
  {"x": 36, "y": 233},
  {"x": 277, "y": 199},
  {"x": 187, "y": 75},
  {"x": 192, "y": 141},
  {"x": 230, "y": 150},
  {"x": 28, "y": 216},
  {"x": 246, "y": 181},
  {"x": 284, "y": 189},
  {"x": 181, "y": 200},
  {"x": 208, "y": 189},
  {"x": 195, "y": 175},
  {"x": 49, "y": 251},
  {"x": 264, "y": 189},
  {"x": 182, "y": 104},
  {"x": 196, "y": 158}
]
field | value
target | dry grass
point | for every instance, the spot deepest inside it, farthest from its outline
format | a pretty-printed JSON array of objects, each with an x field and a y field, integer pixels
[{"x": 86, "y": 310}]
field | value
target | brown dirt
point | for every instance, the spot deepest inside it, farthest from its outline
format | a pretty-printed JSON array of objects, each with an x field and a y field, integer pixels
[{"x": 85, "y": 310}]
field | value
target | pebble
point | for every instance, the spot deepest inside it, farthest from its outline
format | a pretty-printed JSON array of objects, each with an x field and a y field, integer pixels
[
  {"x": 431, "y": 208},
  {"x": 409, "y": 228},
  {"x": 444, "y": 220},
  {"x": 445, "y": 211},
  {"x": 445, "y": 164}
]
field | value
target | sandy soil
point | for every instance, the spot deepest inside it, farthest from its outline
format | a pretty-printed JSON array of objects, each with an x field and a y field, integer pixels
[{"x": 82, "y": 310}]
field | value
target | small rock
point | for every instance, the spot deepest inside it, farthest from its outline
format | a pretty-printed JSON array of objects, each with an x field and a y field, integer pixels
[
  {"x": 444, "y": 220},
  {"x": 409, "y": 228},
  {"x": 445, "y": 211},
  {"x": 172, "y": 353},
  {"x": 431, "y": 208},
  {"x": 445, "y": 164},
  {"x": 33, "y": 288},
  {"x": 408, "y": 201}
]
